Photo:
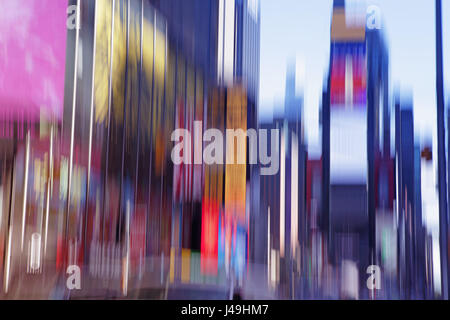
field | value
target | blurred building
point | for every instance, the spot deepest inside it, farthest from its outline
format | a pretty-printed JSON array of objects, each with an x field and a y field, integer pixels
[
  {"x": 406, "y": 187},
  {"x": 221, "y": 37},
  {"x": 283, "y": 194},
  {"x": 87, "y": 177},
  {"x": 31, "y": 96},
  {"x": 411, "y": 229},
  {"x": 271, "y": 206},
  {"x": 357, "y": 165},
  {"x": 441, "y": 154},
  {"x": 345, "y": 143}
]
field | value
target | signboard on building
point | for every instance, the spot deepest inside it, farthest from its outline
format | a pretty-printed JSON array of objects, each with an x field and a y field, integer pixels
[{"x": 32, "y": 60}]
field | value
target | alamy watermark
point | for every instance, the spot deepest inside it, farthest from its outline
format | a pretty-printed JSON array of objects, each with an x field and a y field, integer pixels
[
  {"x": 374, "y": 280},
  {"x": 74, "y": 279},
  {"x": 373, "y": 17},
  {"x": 190, "y": 150},
  {"x": 72, "y": 21}
]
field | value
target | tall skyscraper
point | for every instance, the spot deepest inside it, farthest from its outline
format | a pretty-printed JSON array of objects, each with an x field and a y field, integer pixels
[
  {"x": 443, "y": 201},
  {"x": 346, "y": 136},
  {"x": 355, "y": 139},
  {"x": 406, "y": 198}
]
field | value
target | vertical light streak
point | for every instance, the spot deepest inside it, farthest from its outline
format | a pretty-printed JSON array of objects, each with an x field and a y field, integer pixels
[
  {"x": 282, "y": 191},
  {"x": 127, "y": 257},
  {"x": 226, "y": 39},
  {"x": 109, "y": 117},
  {"x": 139, "y": 104},
  {"x": 228, "y": 48},
  {"x": 127, "y": 261},
  {"x": 220, "y": 41},
  {"x": 49, "y": 188},
  {"x": 294, "y": 193},
  {"x": 273, "y": 267},
  {"x": 437, "y": 280},
  {"x": 10, "y": 231},
  {"x": 72, "y": 129},
  {"x": 35, "y": 253},
  {"x": 349, "y": 81},
  {"x": 25, "y": 188},
  {"x": 8, "y": 261},
  {"x": 91, "y": 122},
  {"x": 268, "y": 245}
]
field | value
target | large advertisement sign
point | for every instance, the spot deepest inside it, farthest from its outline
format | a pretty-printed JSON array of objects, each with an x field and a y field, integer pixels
[
  {"x": 348, "y": 114},
  {"x": 32, "y": 58},
  {"x": 209, "y": 237},
  {"x": 235, "y": 173}
]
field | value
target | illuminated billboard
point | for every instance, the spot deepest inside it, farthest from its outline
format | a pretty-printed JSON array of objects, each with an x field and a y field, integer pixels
[
  {"x": 348, "y": 114},
  {"x": 346, "y": 27},
  {"x": 209, "y": 237},
  {"x": 32, "y": 58},
  {"x": 235, "y": 172}
]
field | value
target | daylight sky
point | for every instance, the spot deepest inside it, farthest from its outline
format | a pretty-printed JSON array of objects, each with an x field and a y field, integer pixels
[{"x": 299, "y": 30}]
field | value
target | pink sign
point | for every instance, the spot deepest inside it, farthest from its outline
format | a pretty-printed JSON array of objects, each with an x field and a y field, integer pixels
[{"x": 32, "y": 58}]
